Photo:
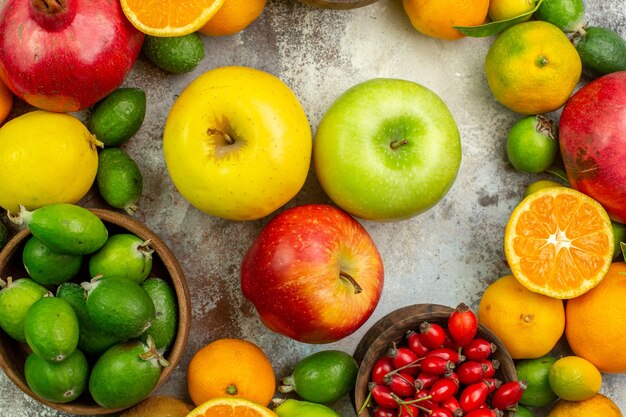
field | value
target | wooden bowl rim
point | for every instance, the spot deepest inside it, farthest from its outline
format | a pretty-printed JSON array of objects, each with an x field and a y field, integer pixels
[
  {"x": 181, "y": 289},
  {"x": 411, "y": 314}
]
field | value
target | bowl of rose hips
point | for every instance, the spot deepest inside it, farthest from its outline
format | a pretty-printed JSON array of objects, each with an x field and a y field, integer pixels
[{"x": 430, "y": 360}]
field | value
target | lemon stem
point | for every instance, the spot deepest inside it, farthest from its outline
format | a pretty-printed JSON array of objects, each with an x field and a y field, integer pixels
[{"x": 231, "y": 389}]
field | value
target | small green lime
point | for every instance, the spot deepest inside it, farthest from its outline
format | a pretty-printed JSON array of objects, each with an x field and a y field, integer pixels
[
  {"x": 538, "y": 185},
  {"x": 124, "y": 255},
  {"x": 522, "y": 411},
  {"x": 15, "y": 299},
  {"x": 51, "y": 329},
  {"x": 117, "y": 117},
  {"x": 295, "y": 408},
  {"x": 119, "y": 307},
  {"x": 4, "y": 235},
  {"x": 573, "y": 378},
  {"x": 174, "y": 54},
  {"x": 531, "y": 144},
  {"x": 119, "y": 179},
  {"x": 535, "y": 372},
  {"x": 59, "y": 382},
  {"x": 619, "y": 235},
  {"x": 567, "y": 15},
  {"x": 322, "y": 377},
  {"x": 91, "y": 340},
  {"x": 48, "y": 267},
  {"x": 125, "y": 374},
  {"x": 165, "y": 323},
  {"x": 602, "y": 51}
]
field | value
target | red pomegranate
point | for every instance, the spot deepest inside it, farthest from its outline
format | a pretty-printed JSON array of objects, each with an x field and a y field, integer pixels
[
  {"x": 592, "y": 136},
  {"x": 65, "y": 55}
]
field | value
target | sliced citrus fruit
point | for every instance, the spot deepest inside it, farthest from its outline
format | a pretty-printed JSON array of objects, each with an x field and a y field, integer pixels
[
  {"x": 231, "y": 407},
  {"x": 169, "y": 17},
  {"x": 559, "y": 242}
]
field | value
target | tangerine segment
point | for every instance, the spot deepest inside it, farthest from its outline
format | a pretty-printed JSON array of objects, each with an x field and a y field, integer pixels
[
  {"x": 169, "y": 17},
  {"x": 559, "y": 242},
  {"x": 231, "y": 407}
]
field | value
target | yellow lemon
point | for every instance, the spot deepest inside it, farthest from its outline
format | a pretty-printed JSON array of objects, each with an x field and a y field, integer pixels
[
  {"x": 46, "y": 158},
  {"x": 507, "y": 9},
  {"x": 574, "y": 379}
]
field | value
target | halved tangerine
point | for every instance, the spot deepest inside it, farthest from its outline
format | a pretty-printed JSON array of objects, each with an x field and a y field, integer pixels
[
  {"x": 559, "y": 242},
  {"x": 231, "y": 407},
  {"x": 169, "y": 18}
]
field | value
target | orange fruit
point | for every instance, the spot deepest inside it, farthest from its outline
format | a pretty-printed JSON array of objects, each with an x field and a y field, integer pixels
[
  {"x": 596, "y": 322},
  {"x": 598, "y": 406},
  {"x": 168, "y": 18},
  {"x": 6, "y": 101},
  {"x": 231, "y": 407},
  {"x": 559, "y": 242},
  {"x": 234, "y": 16},
  {"x": 437, "y": 18},
  {"x": 532, "y": 68},
  {"x": 233, "y": 368},
  {"x": 529, "y": 324}
]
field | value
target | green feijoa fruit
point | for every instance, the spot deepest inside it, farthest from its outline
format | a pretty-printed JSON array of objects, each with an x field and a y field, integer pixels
[
  {"x": 165, "y": 324},
  {"x": 64, "y": 228},
  {"x": 59, "y": 382},
  {"x": 174, "y": 54},
  {"x": 602, "y": 51},
  {"x": 535, "y": 372},
  {"x": 619, "y": 235},
  {"x": 51, "y": 329},
  {"x": 125, "y": 374},
  {"x": 531, "y": 144},
  {"x": 117, "y": 117},
  {"x": 521, "y": 411},
  {"x": 91, "y": 339},
  {"x": 567, "y": 15},
  {"x": 119, "y": 306},
  {"x": 4, "y": 235},
  {"x": 322, "y": 377},
  {"x": 123, "y": 256},
  {"x": 16, "y": 297},
  {"x": 48, "y": 267},
  {"x": 119, "y": 179}
]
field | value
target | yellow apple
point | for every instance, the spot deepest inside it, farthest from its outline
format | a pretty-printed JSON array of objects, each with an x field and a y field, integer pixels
[{"x": 237, "y": 143}]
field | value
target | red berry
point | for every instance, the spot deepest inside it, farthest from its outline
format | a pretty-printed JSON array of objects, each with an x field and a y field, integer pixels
[
  {"x": 508, "y": 395},
  {"x": 447, "y": 353},
  {"x": 425, "y": 380},
  {"x": 381, "y": 368},
  {"x": 473, "y": 396},
  {"x": 492, "y": 384},
  {"x": 484, "y": 412},
  {"x": 416, "y": 344},
  {"x": 443, "y": 389},
  {"x": 383, "y": 396},
  {"x": 478, "y": 349},
  {"x": 405, "y": 359},
  {"x": 401, "y": 384},
  {"x": 433, "y": 334},
  {"x": 492, "y": 365},
  {"x": 409, "y": 410},
  {"x": 449, "y": 342},
  {"x": 385, "y": 412},
  {"x": 436, "y": 365},
  {"x": 441, "y": 412},
  {"x": 470, "y": 372},
  {"x": 462, "y": 324},
  {"x": 452, "y": 404},
  {"x": 424, "y": 400}
]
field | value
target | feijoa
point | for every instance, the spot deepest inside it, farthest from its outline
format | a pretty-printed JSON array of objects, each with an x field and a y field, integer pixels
[
  {"x": 567, "y": 15},
  {"x": 118, "y": 116},
  {"x": 322, "y": 377},
  {"x": 602, "y": 50},
  {"x": 165, "y": 324},
  {"x": 123, "y": 255},
  {"x": 119, "y": 307},
  {"x": 16, "y": 297},
  {"x": 64, "y": 228},
  {"x": 48, "y": 267},
  {"x": 125, "y": 374},
  {"x": 91, "y": 340},
  {"x": 119, "y": 179},
  {"x": 59, "y": 382},
  {"x": 51, "y": 329},
  {"x": 174, "y": 54}
]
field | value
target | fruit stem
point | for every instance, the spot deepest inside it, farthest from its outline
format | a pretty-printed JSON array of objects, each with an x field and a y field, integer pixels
[
  {"x": 546, "y": 127},
  {"x": 3, "y": 283},
  {"x": 53, "y": 14},
  {"x": 397, "y": 143},
  {"x": 231, "y": 389},
  {"x": 288, "y": 384},
  {"x": 348, "y": 277},
  {"x": 23, "y": 217},
  {"x": 145, "y": 249},
  {"x": 131, "y": 209},
  {"x": 212, "y": 131},
  {"x": 365, "y": 403}
]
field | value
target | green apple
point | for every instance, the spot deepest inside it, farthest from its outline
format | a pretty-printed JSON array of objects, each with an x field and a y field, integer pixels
[{"x": 387, "y": 149}]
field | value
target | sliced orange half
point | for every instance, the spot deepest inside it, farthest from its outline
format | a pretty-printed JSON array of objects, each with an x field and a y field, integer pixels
[
  {"x": 559, "y": 242},
  {"x": 169, "y": 18},
  {"x": 231, "y": 407}
]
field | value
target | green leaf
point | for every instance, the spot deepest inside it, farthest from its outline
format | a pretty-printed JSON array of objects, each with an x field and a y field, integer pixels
[
  {"x": 622, "y": 245},
  {"x": 492, "y": 28}
]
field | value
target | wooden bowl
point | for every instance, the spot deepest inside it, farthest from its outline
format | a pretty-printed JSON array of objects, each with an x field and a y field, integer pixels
[
  {"x": 164, "y": 265},
  {"x": 339, "y": 4},
  {"x": 393, "y": 327}
]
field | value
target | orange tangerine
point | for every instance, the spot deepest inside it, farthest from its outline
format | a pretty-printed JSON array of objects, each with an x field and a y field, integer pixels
[
  {"x": 233, "y": 17},
  {"x": 437, "y": 18}
]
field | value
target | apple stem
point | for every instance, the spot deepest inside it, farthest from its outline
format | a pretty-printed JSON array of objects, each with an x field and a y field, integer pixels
[
  {"x": 397, "y": 143},
  {"x": 226, "y": 136},
  {"x": 348, "y": 277}
]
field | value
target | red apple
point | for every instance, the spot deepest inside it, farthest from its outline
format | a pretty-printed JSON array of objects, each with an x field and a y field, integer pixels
[
  {"x": 313, "y": 274},
  {"x": 592, "y": 136}
]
